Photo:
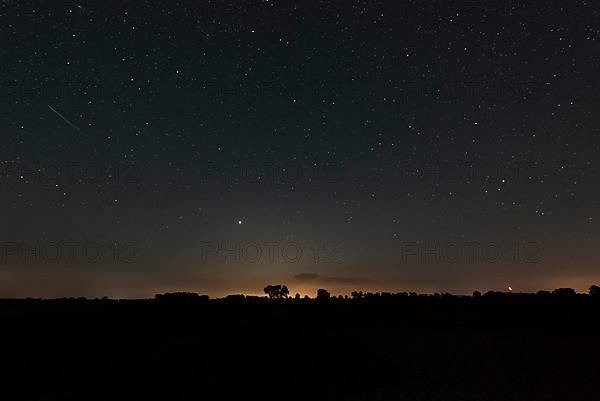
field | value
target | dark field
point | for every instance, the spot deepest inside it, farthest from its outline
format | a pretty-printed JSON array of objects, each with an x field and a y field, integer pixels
[{"x": 421, "y": 349}]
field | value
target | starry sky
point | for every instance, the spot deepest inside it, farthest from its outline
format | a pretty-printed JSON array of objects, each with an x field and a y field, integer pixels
[{"x": 220, "y": 146}]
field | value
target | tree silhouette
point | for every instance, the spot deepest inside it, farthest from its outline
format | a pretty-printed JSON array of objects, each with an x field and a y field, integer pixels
[
  {"x": 594, "y": 291},
  {"x": 277, "y": 291},
  {"x": 323, "y": 295}
]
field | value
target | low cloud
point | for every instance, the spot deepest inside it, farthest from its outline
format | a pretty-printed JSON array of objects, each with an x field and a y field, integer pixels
[
  {"x": 306, "y": 277},
  {"x": 315, "y": 278}
]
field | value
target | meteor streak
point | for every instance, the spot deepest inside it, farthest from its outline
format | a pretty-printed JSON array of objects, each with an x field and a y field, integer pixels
[{"x": 64, "y": 118}]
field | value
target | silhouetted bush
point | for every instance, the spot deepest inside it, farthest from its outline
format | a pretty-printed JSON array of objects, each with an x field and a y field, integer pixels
[
  {"x": 564, "y": 292},
  {"x": 594, "y": 291},
  {"x": 235, "y": 298},
  {"x": 181, "y": 297}
]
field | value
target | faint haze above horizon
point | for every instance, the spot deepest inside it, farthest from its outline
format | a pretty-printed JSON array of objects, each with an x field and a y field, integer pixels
[{"x": 218, "y": 147}]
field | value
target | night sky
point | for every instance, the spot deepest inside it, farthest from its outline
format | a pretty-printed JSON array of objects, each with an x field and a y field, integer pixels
[{"x": 220, "y": 146}]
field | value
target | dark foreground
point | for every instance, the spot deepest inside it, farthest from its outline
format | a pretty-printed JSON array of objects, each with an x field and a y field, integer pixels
[{"x": 431, "y": 349}]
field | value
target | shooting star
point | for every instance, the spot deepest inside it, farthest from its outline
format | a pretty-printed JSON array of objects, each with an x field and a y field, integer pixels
[{"x": 64, "y": 118}]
